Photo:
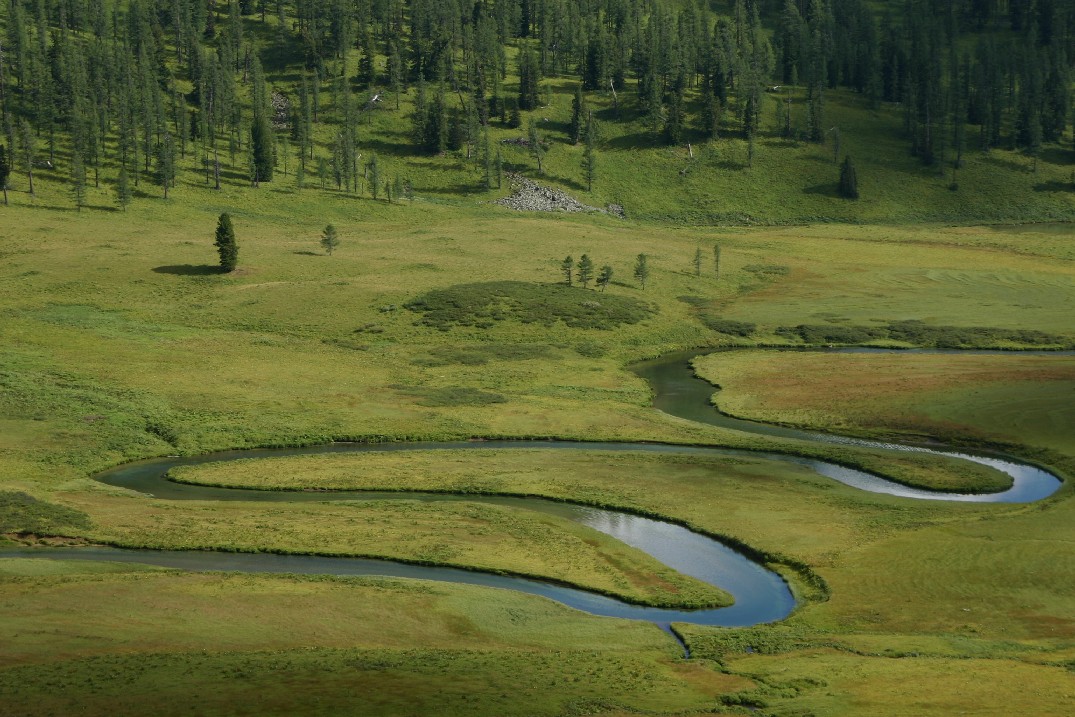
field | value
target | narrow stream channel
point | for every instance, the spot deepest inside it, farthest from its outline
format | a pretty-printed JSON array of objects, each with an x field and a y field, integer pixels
[{"x": 760, "y": 594}]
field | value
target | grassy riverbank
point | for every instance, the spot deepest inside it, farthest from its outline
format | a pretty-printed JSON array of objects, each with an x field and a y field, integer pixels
[{"x": 1008, "y": 400}]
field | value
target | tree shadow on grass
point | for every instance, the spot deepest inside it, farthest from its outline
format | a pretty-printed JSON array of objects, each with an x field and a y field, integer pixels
[
  {"x": 308, "y": 253},
  {"x": 189, "y": 269},
  {"x": 828, "y": 189},
  {"x": 1054, "y": 186}
]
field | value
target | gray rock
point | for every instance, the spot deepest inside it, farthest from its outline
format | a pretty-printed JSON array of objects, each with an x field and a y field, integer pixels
[{"x": 529, "y": 196}]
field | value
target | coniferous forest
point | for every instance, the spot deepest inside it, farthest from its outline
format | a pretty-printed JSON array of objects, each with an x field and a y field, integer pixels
[{"x": 134, "y": 93}]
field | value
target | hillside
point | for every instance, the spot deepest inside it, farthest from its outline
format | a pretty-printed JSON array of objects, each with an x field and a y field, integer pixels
[{"x": 708, "y": 125}]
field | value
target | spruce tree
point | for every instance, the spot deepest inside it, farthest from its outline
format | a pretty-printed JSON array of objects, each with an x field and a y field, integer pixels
[
  {"x": 225, "y": 243},
  {"x": 697, "y": 261}
]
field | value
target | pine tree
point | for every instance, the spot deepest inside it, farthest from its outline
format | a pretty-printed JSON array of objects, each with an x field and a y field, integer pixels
[
  {"x": 29, "y": 151},
  {"x": 375, "y": 175},
  {"x": 673, "y": 125},
  {"x": 261, "y": 149},
  {"x": 123, "y": 188},
  {"x": 78, "y": 180},
  {"x": 642, "y": 270},
  {"x": 529, "y": 80},
  {"x": 605, "y": 277},
  {"x": 537, "y": 150},
  {"x": 5, "y": 171},
  {"x": 166, "y": 163},
  {"x": 697, "y": 262},
  {"x": 487, "y": 159},
  {"x": 395, "y": 71},
  {"x": 589, "y": 155},
  {"x": 578, "y": 111},
  {"x": 716, "y": 261},
  {"x": 585, "y": 271},
  {"x": 849, "y": 188},
  {"x": 330, "y": 239},
  {"x": 225, "y": 243},
  {"x": 567, "y": 266}
]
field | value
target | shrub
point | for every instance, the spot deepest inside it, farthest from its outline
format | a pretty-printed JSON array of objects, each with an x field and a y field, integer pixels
[
  {"x": 727, "y": 326},
  {"x": 482, "y": 304}
]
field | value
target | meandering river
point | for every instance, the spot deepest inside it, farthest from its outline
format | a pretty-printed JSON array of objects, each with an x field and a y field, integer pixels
[{"x": 760, "y": 594}]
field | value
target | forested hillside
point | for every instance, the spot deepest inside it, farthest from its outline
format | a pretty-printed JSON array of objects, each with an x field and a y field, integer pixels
[{"x": 749, "y": 100}]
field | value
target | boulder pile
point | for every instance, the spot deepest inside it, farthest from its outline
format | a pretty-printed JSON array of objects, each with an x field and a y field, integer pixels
[{"x": 529, "y": 196}]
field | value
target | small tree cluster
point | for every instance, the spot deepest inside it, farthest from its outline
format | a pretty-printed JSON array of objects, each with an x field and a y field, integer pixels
[{"x": 583, "y": 272}]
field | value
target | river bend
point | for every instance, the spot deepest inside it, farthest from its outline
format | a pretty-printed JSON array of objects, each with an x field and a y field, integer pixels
[{"x": 760, "y": 594}]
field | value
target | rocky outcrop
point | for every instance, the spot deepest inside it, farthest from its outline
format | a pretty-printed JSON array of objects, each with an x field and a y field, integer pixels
[{"x": 529, "y": 196}]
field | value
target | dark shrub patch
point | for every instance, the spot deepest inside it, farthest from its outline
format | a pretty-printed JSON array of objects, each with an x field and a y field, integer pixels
[
  {"x": 827, "y": 334},
  {"x": 481, "y": 354},
  {"x": 21, "y": 513},
  {"x": 483, "y": 304},
  {"x": 920, "y": 334},
  {"x": 768, "y": 271},
  {"x": 727, "y": 326},
  {"x": 451, "y": 396}
]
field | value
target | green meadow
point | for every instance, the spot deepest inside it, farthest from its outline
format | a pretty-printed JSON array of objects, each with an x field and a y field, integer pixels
[
  {"x": 120, "y": 342},
  {"x": 444, "y": 316}
]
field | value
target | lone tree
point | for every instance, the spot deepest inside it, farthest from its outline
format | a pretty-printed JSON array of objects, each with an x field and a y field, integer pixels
[
  {"x": 261, "y": 148},
  {"x": 585, "y": 271},
  {"x": 589, "y": 156},
  {"x": 123, "y": 188},
  {"x": 5, "y": 171},
  {"x": 330, "y": 239},
  {"x": 641, "y": 270},
  {"x": 605, "y": 277},
  {"x": 225, "y": 243},
  {"x": 849, "y": 185},
  {"x": 697, "y": 261},
  {"x": 537, "y": 150},
  {"x": 566, "y": 266}
]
